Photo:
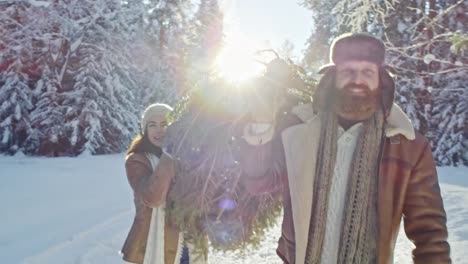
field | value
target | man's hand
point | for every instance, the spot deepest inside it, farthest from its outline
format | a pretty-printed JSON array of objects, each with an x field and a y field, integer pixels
[{"x": 264, "y": 102}]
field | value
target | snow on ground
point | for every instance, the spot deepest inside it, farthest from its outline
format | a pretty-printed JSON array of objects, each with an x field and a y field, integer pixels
[{"x": 79, "y": 210}]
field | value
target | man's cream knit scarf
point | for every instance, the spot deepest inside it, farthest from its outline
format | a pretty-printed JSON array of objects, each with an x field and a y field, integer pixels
[{"x": 359, "y": 230}]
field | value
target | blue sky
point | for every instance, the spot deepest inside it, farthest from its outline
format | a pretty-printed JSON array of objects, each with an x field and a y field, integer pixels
[{"x": 270, "y": 21}]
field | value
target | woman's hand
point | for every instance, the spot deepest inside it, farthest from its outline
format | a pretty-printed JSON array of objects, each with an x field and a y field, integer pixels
[{"x": 155, "y": 189}]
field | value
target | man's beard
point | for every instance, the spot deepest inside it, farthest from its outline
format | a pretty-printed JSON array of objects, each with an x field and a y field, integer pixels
[{"x": 355, "y": 106}]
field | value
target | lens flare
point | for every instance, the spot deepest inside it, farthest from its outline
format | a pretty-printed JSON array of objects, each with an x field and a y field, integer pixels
[
  {"x": 227, "y": 204},
  {"x": 224, "y": 232},
  {"x": 236, "y": 61}
]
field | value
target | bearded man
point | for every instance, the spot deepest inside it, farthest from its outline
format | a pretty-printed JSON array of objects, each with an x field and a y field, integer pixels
[{"x": 351, "y": 165}]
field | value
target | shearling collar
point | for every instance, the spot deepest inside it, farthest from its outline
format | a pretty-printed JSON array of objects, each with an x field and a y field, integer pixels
[{"x": 398, "y": 122}]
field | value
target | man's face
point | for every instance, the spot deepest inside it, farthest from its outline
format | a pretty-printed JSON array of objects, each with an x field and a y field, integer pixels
[{"x": 357, "y": 90}]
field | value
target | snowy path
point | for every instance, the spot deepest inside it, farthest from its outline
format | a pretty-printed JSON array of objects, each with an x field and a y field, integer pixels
[
  {"x": 78, "y": 211},
  {"x": 99, "y": 242}
]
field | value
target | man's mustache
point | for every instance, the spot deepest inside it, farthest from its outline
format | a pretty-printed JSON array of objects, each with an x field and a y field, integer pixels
[{"x": 356, "y": 85}]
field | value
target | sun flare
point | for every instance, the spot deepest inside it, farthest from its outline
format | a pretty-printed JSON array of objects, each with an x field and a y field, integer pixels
[{"x": 236, "y": 61}]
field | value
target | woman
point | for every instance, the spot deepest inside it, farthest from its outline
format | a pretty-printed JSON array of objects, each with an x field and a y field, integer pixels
[{"x": 152, "y": 239}]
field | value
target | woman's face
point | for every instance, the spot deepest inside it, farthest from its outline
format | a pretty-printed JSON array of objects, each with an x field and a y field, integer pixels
[{"x": 156, "y": 129}]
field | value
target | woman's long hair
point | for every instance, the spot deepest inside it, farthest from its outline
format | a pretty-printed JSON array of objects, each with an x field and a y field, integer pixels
[{"x": 141, "y": 144}]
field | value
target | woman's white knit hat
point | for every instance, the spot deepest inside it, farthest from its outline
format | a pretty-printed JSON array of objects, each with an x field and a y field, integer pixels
[{"x": 151, "y": 110}]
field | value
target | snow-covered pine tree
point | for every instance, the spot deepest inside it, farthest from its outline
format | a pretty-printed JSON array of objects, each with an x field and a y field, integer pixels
[
  {"x": 449, "y": 122},
  {"x": 46, "y": 118},
  {"x": 91, "y": 64},
  {"x": 206, "y": 39},
  {"x": 99, "y": 105},
  {"x": 18, "y": 71},
  {"x": 286, "y": 50},
  {"x": 325, "y": 28},
  {"x": 418, "y": 34},
  {"x": 16, "y": 98},
  {"x": 164, "y": 49},
  {"x": 53, "y": 51},
  {"x": 167, "y": 19},
  {"x": 411, "y": 86},
  {"x": 143, "y": 54}
]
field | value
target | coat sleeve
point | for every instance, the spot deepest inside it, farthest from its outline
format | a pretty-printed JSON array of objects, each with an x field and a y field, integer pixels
[
  {"x": 138, "y": 170},
  {"x": 154, "y": 190},
  {"x": 286, "y": 245},
  {"x": 150, "y": 187},
  {"x": 424, "y": 214},
  {"x": 264, "y": 170},
  {"x": 264, "y": 166}
]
